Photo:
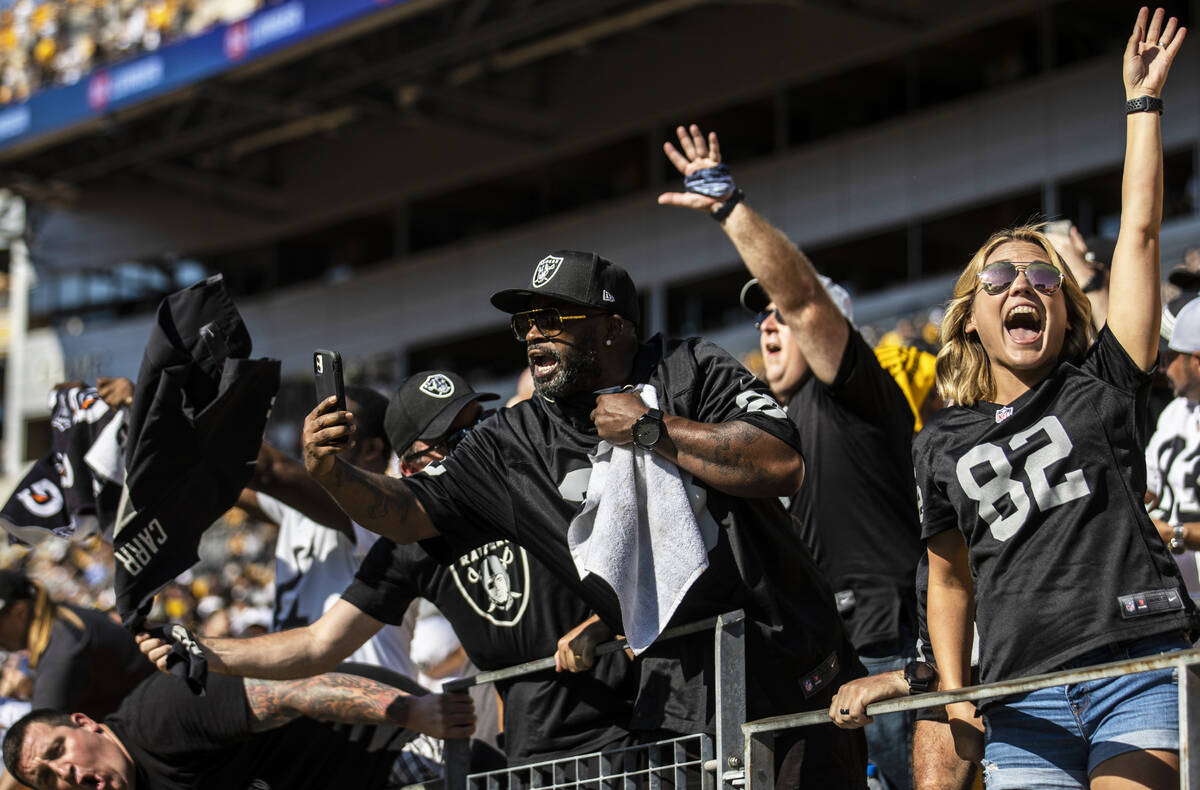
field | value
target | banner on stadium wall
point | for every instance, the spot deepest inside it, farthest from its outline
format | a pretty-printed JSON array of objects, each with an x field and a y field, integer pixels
[{"x": 176, "y": 65}]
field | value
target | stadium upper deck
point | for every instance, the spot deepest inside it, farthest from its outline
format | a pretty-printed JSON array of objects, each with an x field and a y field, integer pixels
[{"x": 392, "y": 172}]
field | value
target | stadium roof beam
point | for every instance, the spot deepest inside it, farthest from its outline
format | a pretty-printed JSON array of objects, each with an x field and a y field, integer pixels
[
  {"x": 160, "y": 149},
  {"x": 266, "y": 202},
  {"x": 505, "y": 117},
  {"x": 442, "y": 54},
  {"x": 569, "y": 39}
]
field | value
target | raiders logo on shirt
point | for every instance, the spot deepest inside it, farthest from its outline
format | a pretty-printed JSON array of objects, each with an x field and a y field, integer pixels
[{"x": 494, "y": 580}]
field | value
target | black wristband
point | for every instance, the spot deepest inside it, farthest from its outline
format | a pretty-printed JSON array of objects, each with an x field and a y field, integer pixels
[
  {"x": 720, "y": 214},
  {"x": 1144, "y": 104}
]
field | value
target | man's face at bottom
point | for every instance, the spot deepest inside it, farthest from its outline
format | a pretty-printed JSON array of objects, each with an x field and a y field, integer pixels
[{"x": 74, "y": 757}]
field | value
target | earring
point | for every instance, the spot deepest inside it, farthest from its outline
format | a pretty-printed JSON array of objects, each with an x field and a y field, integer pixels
[{"x": 608, "y": 341}]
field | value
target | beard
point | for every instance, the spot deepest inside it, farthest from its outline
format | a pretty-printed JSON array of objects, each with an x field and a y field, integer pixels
[{"x": 577, "y": 371}]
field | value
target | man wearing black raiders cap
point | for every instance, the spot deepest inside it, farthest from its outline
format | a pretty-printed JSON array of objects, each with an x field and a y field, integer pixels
[
  {"x": 501, "y": 622},
  {"x": 429, "y": 416},
  {"x": 522, "y": 475}
]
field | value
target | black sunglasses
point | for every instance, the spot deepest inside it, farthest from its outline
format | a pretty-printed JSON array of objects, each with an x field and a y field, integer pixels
[
  {"x": 547, "y": 319},
  {"x": 998, "y": 276},
  {"x": 443, "y": 444}
]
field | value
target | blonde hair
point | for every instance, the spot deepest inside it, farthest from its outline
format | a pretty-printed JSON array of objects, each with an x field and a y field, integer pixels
[
  {"x": 964, "y": 371},
  {"x": 41, "y": 622}
]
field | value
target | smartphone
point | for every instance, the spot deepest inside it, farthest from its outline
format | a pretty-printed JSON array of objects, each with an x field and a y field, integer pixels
[{"x": 327, "y": 369}]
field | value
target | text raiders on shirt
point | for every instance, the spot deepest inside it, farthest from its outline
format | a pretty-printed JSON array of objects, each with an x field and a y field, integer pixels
[{"x": 494, "y": 580}]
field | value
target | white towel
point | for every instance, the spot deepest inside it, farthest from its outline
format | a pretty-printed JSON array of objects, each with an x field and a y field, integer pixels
[{"x": 645, "y": 530}]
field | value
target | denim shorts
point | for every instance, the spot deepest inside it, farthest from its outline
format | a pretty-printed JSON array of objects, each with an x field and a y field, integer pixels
[{"x": 1055, "y": 737}]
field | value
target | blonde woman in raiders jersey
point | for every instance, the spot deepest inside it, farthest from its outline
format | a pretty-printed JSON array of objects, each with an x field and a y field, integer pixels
[{"x": 1032, "y": 488}]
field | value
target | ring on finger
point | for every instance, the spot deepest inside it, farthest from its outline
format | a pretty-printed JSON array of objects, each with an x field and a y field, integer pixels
[{"x": 844, "y": 711}]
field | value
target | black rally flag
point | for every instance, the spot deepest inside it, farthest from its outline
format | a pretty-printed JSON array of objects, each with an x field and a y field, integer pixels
[
  {"x": 74, "y": 489},
  {"x": 196, "y": 424}
]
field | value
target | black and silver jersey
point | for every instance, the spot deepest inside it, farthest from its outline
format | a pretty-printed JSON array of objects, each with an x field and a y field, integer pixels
[{"x": 1048, "y": 492}]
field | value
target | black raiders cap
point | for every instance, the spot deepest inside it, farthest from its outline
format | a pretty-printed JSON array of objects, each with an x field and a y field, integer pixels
[
  {"x": 582, "y": 278},
  {"x": 425, "y": 406}
]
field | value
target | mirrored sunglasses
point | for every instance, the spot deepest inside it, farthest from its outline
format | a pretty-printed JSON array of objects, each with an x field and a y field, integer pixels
[
  {"x": 764, "y": 315},
  {"x": 998, "y": 276},
  {"x": 547, "y": 319}
]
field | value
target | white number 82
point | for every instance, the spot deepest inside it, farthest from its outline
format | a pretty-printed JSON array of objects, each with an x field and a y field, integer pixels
[{"x": 1073, "y": 485}]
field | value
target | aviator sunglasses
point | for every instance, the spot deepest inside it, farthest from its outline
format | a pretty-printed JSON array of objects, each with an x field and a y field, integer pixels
[
  {"x": 998, "y": 276},
  {"x": 761, "y": 318},
  {"x": 547, "y": 319}
]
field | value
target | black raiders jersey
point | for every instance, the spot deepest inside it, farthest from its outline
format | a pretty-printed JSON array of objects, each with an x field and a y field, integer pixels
[
  {"x": 522, "y": 476},
  {"x": 506, "y": 609},
  {"x": 1048, "y": 492}
]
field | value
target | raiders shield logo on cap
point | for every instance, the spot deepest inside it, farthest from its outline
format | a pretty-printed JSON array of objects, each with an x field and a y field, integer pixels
[
  {"x": 494, "y": 579},
  {"x": 546, "y": 269},
  {"x": 437, "y": 386}
]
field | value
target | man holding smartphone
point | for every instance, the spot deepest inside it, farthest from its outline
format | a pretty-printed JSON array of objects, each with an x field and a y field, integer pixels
[
  {"x": 319, "y": 548},
  {"x": 522, "y": 475},
  {"x": 500, "y": 623}
]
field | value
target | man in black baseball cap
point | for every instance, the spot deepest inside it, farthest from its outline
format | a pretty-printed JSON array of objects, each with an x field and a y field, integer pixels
[
  {"x": 523, "y": 474},
  {"x": 429, "y": 414}
]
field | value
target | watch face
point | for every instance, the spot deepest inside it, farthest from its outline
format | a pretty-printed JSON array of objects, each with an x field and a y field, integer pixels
[{"x": 646, "y": 432}]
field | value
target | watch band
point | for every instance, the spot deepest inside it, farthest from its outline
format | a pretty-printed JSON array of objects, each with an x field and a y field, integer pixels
[
  {"x": 920, "y": 676},
  {"x": 720, "y": 214},
  {"x": 1144, "y": 104}
]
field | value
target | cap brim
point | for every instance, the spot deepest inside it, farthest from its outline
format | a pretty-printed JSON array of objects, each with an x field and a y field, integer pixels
[
  {"x": 449, "y": 413},
  {"x": 753, "y": 298},
  {"x": 516, "y": 300}
]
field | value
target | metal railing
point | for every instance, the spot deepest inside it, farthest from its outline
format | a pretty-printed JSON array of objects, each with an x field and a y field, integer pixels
[{"x": 742, "y": 755}]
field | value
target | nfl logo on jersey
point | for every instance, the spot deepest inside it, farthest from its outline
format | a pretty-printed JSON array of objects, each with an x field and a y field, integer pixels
[{"x": 1003, "y": 413}]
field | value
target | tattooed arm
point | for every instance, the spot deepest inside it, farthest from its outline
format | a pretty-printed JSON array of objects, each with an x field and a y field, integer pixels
[
  {"x": 734, "y": 457},
  {"x": 356, "y": 700},
  {"x": 382, "y": 504}
]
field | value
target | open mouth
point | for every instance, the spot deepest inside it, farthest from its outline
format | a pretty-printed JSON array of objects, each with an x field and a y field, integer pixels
[
  {"x": 1024, "y": 324},
  {"x": 542, "y": 363},
  {"x": 772, "y": 346}
]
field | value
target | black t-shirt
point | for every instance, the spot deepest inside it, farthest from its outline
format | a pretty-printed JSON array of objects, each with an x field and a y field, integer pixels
[
  {"x": 856, "y": 508},
  {"x": 180, "y": 741},
  {"x": 506, "y": 609},
  {"x": 89, "y": 670},
  {"x": 522, "y": 476},
  {"x": 1048, "y": 493}
]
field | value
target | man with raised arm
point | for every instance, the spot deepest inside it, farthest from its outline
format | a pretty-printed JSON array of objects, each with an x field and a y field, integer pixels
[
  {"x": 252, "y": 734},
  {"x": 856, "y": 510},
  {"x": 523, "y": 475}
]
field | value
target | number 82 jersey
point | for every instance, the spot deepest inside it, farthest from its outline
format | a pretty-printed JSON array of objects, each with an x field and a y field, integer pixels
[{"x": 1048, "y": 494}]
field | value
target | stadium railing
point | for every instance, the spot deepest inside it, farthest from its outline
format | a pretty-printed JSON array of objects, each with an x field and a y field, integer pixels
[{"x": 742, "y": 753}]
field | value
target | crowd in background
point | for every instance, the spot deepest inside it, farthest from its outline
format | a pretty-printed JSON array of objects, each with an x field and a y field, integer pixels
[{"x": 44, "y": 43}]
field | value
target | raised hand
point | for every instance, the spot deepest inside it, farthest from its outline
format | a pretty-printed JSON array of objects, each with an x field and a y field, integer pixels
[
  {"x": 1151, "y": 49},
  {"x": 695, "y": 153},
  {"x": 326, "y": 434}
]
